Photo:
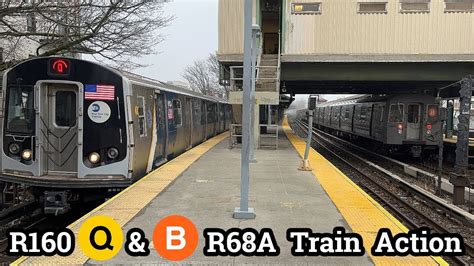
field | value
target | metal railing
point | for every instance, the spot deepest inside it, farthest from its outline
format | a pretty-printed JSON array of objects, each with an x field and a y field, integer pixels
[
  {"x": 234, "y": 134},
  {"x": 234, "y": 78},
  {"x": 268, "y": 136},
  {"x": 279, "y": 61}
]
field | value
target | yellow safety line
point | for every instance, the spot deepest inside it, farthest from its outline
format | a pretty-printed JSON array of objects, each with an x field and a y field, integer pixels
[
  {"x": 363, "y": 214},
  {"x": 125, "y": 205}
]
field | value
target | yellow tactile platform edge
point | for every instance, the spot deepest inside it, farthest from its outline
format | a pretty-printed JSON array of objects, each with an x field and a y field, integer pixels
[
  {"x": 363, "y": 214},
  {"x": 125, "y": 205}
]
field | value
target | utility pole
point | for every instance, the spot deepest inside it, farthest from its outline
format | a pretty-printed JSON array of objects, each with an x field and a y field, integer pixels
[
  {"x": 460, "y": 177},
  {"x": 244, "y": 212}
]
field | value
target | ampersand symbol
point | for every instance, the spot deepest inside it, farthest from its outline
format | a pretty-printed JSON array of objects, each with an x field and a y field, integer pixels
[{"x": 137, "y": 244}]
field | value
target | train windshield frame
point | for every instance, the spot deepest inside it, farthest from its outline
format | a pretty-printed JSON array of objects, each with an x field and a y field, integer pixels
[{"x": 20, "y": 112}]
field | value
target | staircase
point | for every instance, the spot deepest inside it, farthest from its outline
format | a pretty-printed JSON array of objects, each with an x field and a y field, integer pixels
[{"x": 267, "y": 79}]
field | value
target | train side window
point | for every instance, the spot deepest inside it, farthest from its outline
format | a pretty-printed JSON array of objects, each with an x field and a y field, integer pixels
[
  {"x": 177, "y": 112},
  {"x": 65, "y": 109},
  {"x": 210, "y": 113},
  {"x": 382, "y": 113},
  {"x": 197, "y": 113},
  {"x": 363, "y": 113},
  {"x": 396, "y": 113},
  {"x": 141, "y": 116},
  {"x": 347, "y": 113},
  {"x": 203, "y": 113}
]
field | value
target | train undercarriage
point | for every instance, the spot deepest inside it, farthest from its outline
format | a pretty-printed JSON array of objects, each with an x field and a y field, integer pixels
[{"x": 52, "y": 201}]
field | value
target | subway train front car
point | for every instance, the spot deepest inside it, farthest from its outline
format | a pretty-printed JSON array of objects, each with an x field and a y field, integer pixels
[
  {"x": 75, "y": 131},
  {"x": 64, "y": 129}
]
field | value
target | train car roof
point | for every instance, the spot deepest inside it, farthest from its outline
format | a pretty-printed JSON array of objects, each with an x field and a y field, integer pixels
[
  {"x": 135, "y": 78},
  {"x": 359, "y": 98},
  {"x": 138, "y": 79}
]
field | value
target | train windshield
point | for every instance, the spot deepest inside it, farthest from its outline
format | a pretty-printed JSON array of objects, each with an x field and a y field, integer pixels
[
  {"x": 432, "y": 113},
  {"x": 396, "y": 113},
  {"x": 20, "y": 110}
]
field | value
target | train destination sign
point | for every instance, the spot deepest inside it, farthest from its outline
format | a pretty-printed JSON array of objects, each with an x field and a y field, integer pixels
[{"x": 59, "y": 67}]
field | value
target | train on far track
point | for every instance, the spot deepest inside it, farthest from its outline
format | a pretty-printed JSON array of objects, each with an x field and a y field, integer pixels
[
  {"x": 404, "y": 123},
  {"x": 74, "y": 130}
]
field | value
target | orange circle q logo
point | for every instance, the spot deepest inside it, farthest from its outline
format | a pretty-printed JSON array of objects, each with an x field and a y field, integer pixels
[{"x": 175, "y": 238}]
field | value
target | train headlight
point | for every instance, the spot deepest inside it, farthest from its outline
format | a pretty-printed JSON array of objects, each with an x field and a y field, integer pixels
[
  {"x": 26, "y": 155},
  {"x": 113, "y": 153},
  {"x": 94, "y": 158},
  {"x": 14, "y": 148}
]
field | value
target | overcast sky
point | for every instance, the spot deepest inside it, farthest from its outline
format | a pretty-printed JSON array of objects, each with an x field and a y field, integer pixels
[{"x": 191, "y": 36}]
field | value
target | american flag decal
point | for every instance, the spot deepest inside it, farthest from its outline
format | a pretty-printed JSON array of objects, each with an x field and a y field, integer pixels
[{"x": 99, "y": 92}]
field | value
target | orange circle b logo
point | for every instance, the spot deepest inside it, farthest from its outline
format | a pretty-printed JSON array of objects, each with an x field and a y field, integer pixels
[{"x": 175, "y": 238}]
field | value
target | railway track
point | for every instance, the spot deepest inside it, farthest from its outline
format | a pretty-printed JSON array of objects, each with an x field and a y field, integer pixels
[
  {"x": 29, "y": 216},
  {"x": 414, "y": 206}
]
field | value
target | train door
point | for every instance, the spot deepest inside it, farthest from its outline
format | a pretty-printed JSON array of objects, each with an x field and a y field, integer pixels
[
  {"x": 59, "y": 128},
  {"x": 189, "y": 121},
  {"x": 414, "y": 121},
  {"x": 160, "y": 120},
  {"x": 376, "y": 121},
  {"x": 353, "y": 118}
]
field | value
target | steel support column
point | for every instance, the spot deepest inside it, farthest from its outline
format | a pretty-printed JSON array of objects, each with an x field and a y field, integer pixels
[
  {"x": 459, "y": 178},
  {"x": 244, "y": 212},
  {"x": 254, "y": 122}
]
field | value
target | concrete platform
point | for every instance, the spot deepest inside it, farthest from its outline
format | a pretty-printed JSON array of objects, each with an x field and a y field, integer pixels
[{"x": 208, "y": 191}]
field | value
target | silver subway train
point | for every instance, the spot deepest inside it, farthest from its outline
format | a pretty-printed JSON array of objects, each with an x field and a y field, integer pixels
[
  {"x": 398, "y": 123},
  {"x": 72, "y": 127}
]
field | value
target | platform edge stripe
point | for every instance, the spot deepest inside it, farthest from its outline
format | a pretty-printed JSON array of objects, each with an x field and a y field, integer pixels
[
  {"x": 292, "y": 137},
  {"x": 199, "y": 150},
  {"x": 402, "y": 227}
]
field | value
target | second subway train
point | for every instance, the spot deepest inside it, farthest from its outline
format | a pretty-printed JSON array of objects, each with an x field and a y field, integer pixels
[{"x": 398, "y": 123}]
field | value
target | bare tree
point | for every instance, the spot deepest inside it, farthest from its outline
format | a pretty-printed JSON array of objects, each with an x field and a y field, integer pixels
[
  {"x": 110, "y": 30},
  {"x": 203, "y": 77}
]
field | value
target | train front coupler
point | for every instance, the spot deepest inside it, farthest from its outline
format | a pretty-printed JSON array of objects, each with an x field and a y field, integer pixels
[{"x": 56, "y": 202}]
